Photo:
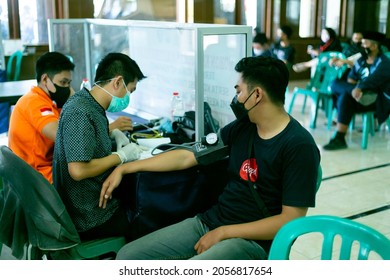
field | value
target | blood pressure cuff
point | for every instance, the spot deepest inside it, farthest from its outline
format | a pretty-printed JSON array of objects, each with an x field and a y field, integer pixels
[{"x": 207, "y": 154}]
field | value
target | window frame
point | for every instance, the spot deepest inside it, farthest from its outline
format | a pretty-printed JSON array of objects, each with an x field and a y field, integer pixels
[{"x": 14, "y": 25}]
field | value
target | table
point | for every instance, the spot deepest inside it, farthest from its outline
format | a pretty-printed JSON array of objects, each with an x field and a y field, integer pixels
[{"x": 12, "y": 91}]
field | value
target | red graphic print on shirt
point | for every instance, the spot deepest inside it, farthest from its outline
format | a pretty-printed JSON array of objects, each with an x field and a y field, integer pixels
[{"x": 249, "y": 167}]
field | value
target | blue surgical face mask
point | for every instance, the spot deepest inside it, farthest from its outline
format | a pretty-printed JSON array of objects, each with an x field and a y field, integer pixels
[{"x": 117, "y": 104}]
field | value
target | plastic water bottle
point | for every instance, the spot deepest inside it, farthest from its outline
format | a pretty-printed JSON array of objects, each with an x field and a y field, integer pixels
[
  {"x": 177, "y": 106},
  {"x": 85, "y": 83}
]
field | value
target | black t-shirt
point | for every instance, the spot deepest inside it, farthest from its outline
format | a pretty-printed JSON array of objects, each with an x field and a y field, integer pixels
[
  {"x": 285, "y": 173},
  {"x": 284, "y": 53}
]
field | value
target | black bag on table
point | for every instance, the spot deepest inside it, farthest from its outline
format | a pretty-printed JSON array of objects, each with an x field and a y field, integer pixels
[{"x": 184, "y": 128}]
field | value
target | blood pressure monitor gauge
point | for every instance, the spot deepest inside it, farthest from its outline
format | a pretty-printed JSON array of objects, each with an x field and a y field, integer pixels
[{"x": 210, "y": 139}]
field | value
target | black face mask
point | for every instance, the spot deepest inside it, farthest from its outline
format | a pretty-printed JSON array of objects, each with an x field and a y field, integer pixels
[
  {"x": 60, "y": 96},
  {"x": 239, "y": 109},
  {"x": 365, "y": 52}
]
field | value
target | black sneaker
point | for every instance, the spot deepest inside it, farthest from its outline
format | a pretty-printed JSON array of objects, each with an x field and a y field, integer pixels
[{"x": 336, "y": 144}]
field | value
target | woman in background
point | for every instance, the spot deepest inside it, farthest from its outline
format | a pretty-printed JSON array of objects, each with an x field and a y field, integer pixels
[{"x": 329, "y": 43}]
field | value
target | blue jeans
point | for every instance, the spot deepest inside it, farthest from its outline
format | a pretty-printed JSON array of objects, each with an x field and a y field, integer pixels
[{"x": 176, "y": 242}]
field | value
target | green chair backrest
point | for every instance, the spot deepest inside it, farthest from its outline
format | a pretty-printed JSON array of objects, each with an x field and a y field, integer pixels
[
  {"x": 13, "y": 73},
  {"x": 1, "y": 189},
  {"x": 387, "y": 54},
  {"x": 344, "y": 45},
  {"x": 325, "y": 74},
  {"x": 350, "y": 233},
  {"x": 39, "y": 218},
  {"x": 319, "y": 178}
]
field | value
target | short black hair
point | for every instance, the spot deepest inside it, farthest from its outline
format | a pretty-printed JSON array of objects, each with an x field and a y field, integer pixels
[
  {"x": 267, "y": 72},
  {"x": 114, "y": 64},
  {"x": 260, "y": 38},
  {"x": 287, "y": 30},
  {"x": 257, "y": 30},
  {"x": 52, "y": 63}
]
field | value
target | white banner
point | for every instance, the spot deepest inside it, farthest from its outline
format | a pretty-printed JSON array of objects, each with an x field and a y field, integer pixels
[{"x": 121, "y": 270}]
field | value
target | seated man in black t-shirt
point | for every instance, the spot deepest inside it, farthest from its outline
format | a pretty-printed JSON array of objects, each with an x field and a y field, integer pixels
[{"x": 273, "y": 166}]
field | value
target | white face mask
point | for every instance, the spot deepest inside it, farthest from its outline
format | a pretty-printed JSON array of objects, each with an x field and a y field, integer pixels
[
  {"x": 325, "y": 37},
  {"x": 258, "y": 52}
]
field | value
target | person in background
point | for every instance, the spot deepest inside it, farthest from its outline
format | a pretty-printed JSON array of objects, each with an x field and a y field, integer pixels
[
  {"x": 261, "y": 46},
  {"x": 282, "y": 48},
  {"x": 370, "y": 73},
  {"x": 34, "y": 119},
  {"x": 83, "y": 156},
  {"x": 256, "y": 31},
  {"x": 329, "y": 43},
  {"x": 267, "y": 148},
  {"x": 352, "y": 52},
  {"x": 354, "y": 45}
]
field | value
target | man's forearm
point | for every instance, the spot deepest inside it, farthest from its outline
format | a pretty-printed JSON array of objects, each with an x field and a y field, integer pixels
[
  {"x": 167, "y": 161},
  {"x": 82, "y": 170}
]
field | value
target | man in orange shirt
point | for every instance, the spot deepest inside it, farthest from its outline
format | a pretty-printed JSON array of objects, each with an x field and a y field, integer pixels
[{"x": 34, "y": 120}]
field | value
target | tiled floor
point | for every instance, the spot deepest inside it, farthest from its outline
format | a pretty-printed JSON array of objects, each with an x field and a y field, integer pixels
[{"x": 355, "y": 182}]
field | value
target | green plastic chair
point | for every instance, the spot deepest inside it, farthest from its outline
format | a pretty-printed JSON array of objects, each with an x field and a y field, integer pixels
[
  {"x": 319, "y": 178},
  {"x": 318, "y": 89},
  {"x": 33, "y": 214},
  {"x": 344, "y": 45},
  {"x": 368, "y": 127},
  {"x": 1, "y": 190},
  {"x": 13, "y": 73},
  {"x": 349, "y": 231},
  {"x": 388, "y": 123}
]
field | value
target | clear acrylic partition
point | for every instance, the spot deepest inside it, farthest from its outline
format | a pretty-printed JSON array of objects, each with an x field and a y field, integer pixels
[
  {"x": 196, "y": 60},
  {"x": 86, "y": 43},
  {"x": 69, "y": 39},
  {"x": 166, "y": 55},
  {"x": 106, "y": 38},
  {"x": 221, "y": 54}
]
